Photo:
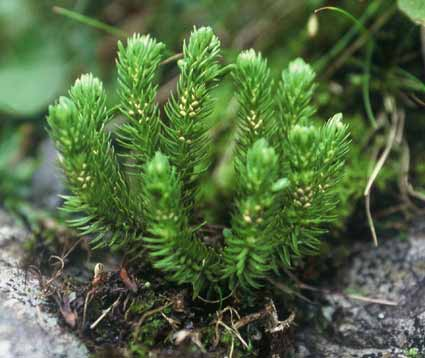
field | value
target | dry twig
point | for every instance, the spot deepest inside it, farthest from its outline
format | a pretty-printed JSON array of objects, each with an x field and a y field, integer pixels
[
  {"x": 304, "y": 286},
  {"x": 275, "y": 325},
  {"x": 105, "y": 312},
  {"x": 396, "y": 127}
]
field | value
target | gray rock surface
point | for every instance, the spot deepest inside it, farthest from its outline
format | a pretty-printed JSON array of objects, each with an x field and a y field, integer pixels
[
  {"x": 47, "y": 180},
  {"x": 26, "y": 330},
  {"x": 394, "y": 271}
]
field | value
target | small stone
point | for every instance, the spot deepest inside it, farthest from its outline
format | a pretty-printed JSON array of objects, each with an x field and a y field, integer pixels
[{"x": 26, "y": 329}]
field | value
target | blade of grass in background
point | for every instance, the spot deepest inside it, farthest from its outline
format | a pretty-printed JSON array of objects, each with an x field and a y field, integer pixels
[
  {"x": 369, "y": 50},
  {"x": 89, "y": 21},
  {"x": 343, "y": 42},
  {"x": 103, "y": 27}
]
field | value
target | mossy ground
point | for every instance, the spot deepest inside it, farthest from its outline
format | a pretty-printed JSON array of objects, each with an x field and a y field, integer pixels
[{"x": 138, "y": 313}]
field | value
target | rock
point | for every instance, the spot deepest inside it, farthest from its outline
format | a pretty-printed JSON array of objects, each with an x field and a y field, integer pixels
[
  {"x": 26, "y": 329},
  {"x": 47, "y": 180},
  {"x": 394, "y": 271}
]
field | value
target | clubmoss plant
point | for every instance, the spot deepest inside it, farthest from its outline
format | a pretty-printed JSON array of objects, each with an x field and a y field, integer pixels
[{"x": 288, "y": 165}]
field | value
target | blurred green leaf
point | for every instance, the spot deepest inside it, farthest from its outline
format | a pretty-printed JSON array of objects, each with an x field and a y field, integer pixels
[
  {"x": 16, "y": 17},
  {"x": 415, "y": 9},
  {"x": 30, "y": 81}
]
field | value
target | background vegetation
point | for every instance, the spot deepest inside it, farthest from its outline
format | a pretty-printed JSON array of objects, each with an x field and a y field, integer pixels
[{"x": 42, "y": 52}]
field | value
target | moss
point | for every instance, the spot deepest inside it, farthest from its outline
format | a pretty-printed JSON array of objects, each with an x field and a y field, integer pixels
[{"x": 412, "y": 352}]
